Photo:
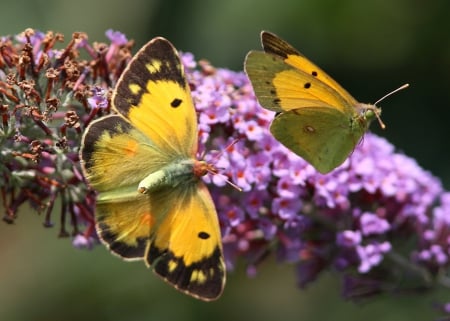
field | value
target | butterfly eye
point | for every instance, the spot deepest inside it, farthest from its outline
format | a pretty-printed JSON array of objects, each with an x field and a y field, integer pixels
[{"x": 369, "y": 112}]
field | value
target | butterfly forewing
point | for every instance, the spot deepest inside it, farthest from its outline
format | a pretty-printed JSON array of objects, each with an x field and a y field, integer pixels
[
  {"x": 274, "y": 45},
  {"x": 281, "y": 87},
  {"x": 154, "y": 95}
]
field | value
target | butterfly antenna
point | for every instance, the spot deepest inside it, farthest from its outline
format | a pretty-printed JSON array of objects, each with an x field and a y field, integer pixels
[
  {"x": 392, "y": 92},
  {"x": 214, "y": 171},
  {"x": 216, "y": 158},
  {"x": 377, "y": 115},
  {"x": 382, "y": 125},
  {"x": 233, "y": 185}
]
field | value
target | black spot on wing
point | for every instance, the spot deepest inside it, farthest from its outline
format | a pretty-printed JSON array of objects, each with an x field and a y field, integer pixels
[
  {"x": 203, "y": 235},
  {"x": 176, "y": 102}
]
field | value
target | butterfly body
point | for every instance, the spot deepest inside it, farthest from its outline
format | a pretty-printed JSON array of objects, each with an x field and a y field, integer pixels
[
  {"x": 152, "y": 204},
  {"x": 178, "y": 173},
  {"x": 316, "y": 118}
]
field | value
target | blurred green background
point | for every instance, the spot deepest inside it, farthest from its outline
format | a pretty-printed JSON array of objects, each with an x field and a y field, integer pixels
[{"x": 370, "y": 47}]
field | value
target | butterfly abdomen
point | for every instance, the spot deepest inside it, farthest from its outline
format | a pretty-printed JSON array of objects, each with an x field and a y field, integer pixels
[{"x": 184, "y": 171}]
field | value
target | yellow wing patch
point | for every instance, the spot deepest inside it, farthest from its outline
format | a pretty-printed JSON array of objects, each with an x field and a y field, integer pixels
[
  {"x": 178, "y": 232},
  {"x": 154, "y": 66},
  {"x": 188, "y": 254},
  {"x": 274, "y": 45},
  {"x": 125, "y": 226},
  {"x": 135, "y": 89},
  {"x": 288, "y": 83},
  {"x": 174, "y": 110}
]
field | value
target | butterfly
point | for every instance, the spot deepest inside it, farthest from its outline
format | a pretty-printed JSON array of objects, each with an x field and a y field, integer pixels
[
  {"x": 315, "y": 117},
  {"x": 152, "y": 204}
]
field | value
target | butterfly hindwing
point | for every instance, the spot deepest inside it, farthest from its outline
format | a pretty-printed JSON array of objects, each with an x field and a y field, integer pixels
[
  {"x": 186, "y": 251},
  {"x": 124, "y": 226},
  {"x": 323, "y": 136},
  {"x": 115, "y": 159},
  {"x": 152, "y": 204}
]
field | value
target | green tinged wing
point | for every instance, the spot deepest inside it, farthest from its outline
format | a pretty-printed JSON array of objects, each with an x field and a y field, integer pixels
[{"x": 323, "y": 136}]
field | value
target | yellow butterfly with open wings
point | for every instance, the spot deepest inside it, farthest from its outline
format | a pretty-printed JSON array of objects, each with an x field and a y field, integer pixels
[{"x": 152, "y": 204}]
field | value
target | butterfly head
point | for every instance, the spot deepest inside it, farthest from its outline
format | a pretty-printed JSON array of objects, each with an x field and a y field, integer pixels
[
  {"x": 368, "y": 112},
  {"x": 201, "y": 168}
]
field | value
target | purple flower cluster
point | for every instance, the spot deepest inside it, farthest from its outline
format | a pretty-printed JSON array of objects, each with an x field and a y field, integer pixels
[{"x": 375, "y": 220}]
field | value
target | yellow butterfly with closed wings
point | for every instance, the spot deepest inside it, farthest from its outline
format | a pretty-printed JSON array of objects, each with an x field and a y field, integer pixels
[
  {"x": 152, "y": 204},
  {"x": 316, "y": 118}
]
